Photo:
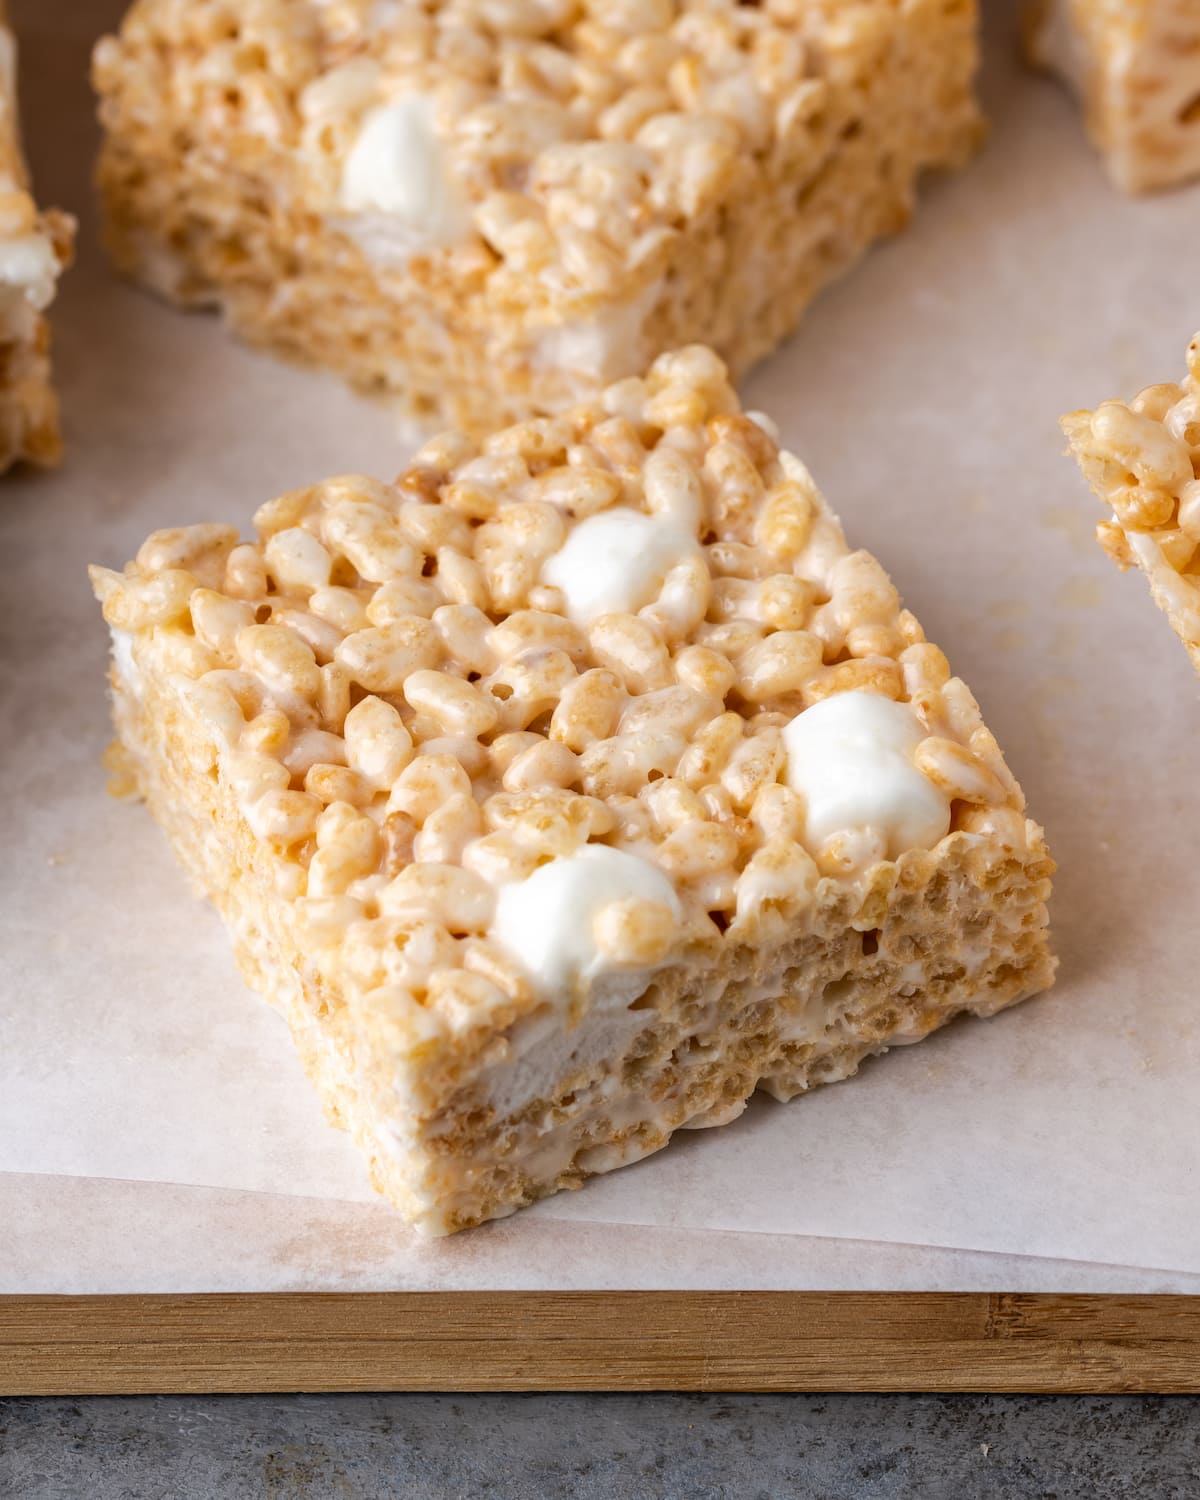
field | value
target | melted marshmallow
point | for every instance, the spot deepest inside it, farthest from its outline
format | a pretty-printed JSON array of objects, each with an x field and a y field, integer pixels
[
  {"x": 546, "y": 921},
  {"x": 127, "y": 670},
  {"x": 615, "y": 561},
  {"x": 28, "y": 264},
  {"x": 1175, "y": 592},
  {"x": 397, "y": 173},
  {"x": 850, "y": 758},
  {"x": 766, "y": 423},
  {"x": 604, "y": 347}
]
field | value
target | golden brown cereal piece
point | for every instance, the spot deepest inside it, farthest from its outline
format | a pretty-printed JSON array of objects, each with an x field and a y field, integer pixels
[
  {"x": 562, "y": 870},
  {"x": 493, "y": 209},
  {"x": 1141, "y": 460}
]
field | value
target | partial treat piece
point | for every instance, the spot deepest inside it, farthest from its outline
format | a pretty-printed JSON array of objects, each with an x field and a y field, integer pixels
[
  {"x": 1142, "y": 460},
  {"x": 34, "y": 249},
  {"x": 573, "y": 787},
  {"x": 492, "y": 208},
  {"x": 1136, "y": 66}
]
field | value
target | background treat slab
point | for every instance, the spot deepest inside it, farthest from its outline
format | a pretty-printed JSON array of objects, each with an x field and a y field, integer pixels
[
  {"x": 924, "y": 393},
  {"x": 682, "y": 225}
]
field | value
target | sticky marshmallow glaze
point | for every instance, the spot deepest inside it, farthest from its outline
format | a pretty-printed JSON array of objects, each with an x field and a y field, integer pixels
[
  {"x": 851, "y": 759},
  {"x": 547, "y": 921},
  {"x": 616, "y": 561},
  {"x": 397, "y": 168}
]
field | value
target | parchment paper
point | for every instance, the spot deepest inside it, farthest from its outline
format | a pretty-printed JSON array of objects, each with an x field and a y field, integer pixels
[
  {"x": 924, "y": 393},
  {"x": 93, "y": 1235}
]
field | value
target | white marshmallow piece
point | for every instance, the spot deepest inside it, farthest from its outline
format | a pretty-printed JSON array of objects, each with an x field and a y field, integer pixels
[
  {"x": 615, "y": 562},
  {"x": 850, "y": 758},
  {"x": 545, "y": 921},
  {"x": 397, "y": 171},
  {"x": 128, "y": 673},
  {"x": 29, "y": 265},
  {"x": 604, "y": 347}
]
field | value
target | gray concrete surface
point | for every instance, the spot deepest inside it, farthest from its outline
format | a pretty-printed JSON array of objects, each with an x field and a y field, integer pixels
[{"x": 667, "y": 1447}]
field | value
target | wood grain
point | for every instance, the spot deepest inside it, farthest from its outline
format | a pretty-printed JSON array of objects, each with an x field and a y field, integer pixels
[{"x": 590, "y": 1341}]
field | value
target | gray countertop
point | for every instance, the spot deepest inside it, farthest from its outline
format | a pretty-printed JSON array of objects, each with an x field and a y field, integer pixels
[{"x": 616, "y": 1447}]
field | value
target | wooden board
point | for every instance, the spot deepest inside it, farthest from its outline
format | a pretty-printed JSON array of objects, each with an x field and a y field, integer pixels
[{"x": 478, "y": 1341}]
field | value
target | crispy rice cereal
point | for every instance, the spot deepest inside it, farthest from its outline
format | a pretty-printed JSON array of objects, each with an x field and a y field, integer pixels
[
  {"x": 1142, "y": 460},
  {"x": 492, "y": 208},
  {"x": 34, "y": 249},
  {"x": 1136, "y": 66},
  {"x": 571, "y": 788}
]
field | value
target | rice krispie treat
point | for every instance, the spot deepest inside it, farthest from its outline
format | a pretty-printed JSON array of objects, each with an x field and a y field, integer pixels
[
  {"x": 571, "y": 788},
  {"x": 34, "y": 249},
  {"x": 1142, "y": 460},
  {"x": 1136, "y": 66},
  {"x": 491, "y": 208}
]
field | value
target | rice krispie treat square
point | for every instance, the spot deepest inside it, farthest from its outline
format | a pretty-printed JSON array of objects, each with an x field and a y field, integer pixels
[
  {"x": 1142, "y": 461},
  {"x": 1136, "y": 66},
  {"x": 573, "y": 787},
  {"x": 491, "y": 208},
  {"x": 34, "y": 248}
]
